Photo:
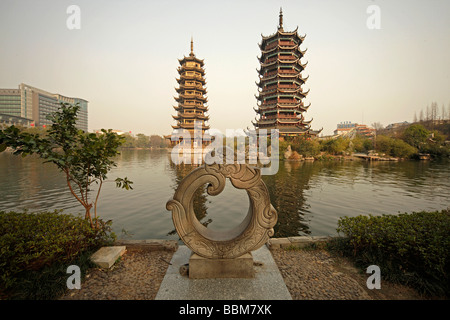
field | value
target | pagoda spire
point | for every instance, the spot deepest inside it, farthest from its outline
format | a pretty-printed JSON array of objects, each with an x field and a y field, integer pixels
[
  {"x": 280, "y": 27},
  {"x": 192, "y": 47}
]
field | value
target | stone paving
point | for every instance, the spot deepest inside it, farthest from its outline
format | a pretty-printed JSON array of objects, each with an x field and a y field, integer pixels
[{"x": 308, "y": 275}]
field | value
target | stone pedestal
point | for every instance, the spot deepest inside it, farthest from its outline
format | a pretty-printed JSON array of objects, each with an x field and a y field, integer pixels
[{"x": 205, "y": 268}]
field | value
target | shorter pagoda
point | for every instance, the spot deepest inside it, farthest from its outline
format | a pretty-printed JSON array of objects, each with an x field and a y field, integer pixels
[
  {"x": 280, "y": 93},
  {"x": 191, "y": 109}
]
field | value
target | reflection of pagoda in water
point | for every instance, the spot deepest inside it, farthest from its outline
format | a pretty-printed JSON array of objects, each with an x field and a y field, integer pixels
[
  {"x": 280, "y": 91},
  {"x": 287, "y": 194},
  {"x": 191, "y": 99},
  {"x": 199, "y": 199}
]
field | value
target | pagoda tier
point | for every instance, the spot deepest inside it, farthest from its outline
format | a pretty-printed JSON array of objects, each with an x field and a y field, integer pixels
[
  {"x": 280, "y": 93},
  {"x": 191, "y": 97}
]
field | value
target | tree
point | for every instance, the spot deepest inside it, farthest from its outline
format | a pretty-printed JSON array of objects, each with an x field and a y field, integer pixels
[
  {"x": 156, "y": 141},
  {"x": 377, "y": 126},
  {"x": 415, "y": 135},
  {"x": 142, "y": 141},
  {"x": 84, "y": 158}
]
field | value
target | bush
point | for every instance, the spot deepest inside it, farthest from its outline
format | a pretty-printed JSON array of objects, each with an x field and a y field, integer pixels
[
  {"x": 413, "y": 249},
  {"x": 33, "y": 242},
  {"x": 394, "y": 147},
  {"x": 335, "y": 146},
  {"x": 306, "y": 146}
]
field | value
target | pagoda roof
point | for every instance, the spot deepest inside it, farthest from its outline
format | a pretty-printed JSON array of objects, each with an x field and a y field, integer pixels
[
  {"x": 190, "y": 116},
  {"x": 263, "y": 80},
  {"x": 278, "y": 106},
  {"x": 278, "y": 62},
  {"x": 190, "y": 97},
  {"x": 275, "y": 94},
  {"x": 183, "y": 88},
  {"x": 184, "y": 68},
  {"x": 189, "y": 126},
  {"x": 184, "y": 77},
  {"x": 282, "y": 33},
  {"x": 279, "y": 76}
]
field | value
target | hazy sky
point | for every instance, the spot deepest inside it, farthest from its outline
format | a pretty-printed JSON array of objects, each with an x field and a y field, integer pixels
[{"x": 123, "y": 59}]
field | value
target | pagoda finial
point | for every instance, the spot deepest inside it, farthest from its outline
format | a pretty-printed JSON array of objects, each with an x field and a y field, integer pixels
[
  {"x": 192, "y": 47},
  {"x": 281, "y": 19}
]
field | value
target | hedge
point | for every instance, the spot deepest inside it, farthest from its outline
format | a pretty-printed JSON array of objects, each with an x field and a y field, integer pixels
[
  {"x": 413, "y": 249},
  {"x": 32, "y": 242}
]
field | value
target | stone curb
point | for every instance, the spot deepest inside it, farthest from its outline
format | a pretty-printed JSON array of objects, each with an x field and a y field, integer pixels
[
  {"x": 297, "y": 242},
  {"x": 149, "y": 244}
]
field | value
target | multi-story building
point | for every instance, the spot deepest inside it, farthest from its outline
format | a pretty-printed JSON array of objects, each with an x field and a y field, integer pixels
[
  {"x": 280, "y": 93},
  {"x": 191, "y": 99},
  {"x": 349, "y": 128},
  {"x": 32, "y": 106}
]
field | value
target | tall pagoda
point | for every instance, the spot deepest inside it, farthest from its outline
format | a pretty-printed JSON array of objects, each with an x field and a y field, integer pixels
[
  {"x": 191, "y": 97},
  {"x": 280, "y": 93}
]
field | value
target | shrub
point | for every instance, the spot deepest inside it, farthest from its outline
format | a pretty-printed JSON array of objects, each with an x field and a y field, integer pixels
[
  {"x": 32, "y": 242},
  {"x": 306, "y": 146},
  {"x": 394, "y": 147},
  {"x": 413, "y": 249}
]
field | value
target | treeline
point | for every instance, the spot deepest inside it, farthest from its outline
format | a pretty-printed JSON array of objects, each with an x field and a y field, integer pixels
[
  {"x": 408, "y": 143},
  {"x": 138, "y": 141},
  {"x": 143, "y": 141}
]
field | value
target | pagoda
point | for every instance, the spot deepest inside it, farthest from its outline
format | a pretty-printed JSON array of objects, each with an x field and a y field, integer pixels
[
  {"x": 280, "y": 93},
  {"x": 191, "y": 98}
]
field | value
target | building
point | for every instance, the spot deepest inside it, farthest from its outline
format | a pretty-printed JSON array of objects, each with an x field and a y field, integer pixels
[
  {"x": 33, "y": 105},
  {"x": 280, "y": 93},
  {"x": 397, "y": 125},
  {"x": 348, "y": 128},
  {"x": 191, "y": 108}
]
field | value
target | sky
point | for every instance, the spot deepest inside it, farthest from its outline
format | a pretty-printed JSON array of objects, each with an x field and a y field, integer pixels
[{"x": 124, "y": 56}]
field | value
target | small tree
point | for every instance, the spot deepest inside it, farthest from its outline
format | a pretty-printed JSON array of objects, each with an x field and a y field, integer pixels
[
  {"x": 415, "y": 135},
  {"x": 85, "y": 158}
]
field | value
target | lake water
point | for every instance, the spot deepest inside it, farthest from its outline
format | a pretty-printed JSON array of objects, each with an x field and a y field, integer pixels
[{"x": 309, "y": 196}]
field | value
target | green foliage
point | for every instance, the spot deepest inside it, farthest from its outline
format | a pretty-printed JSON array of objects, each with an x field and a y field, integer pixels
[
  {"x": 394, "y": 147},
  {"x": 307, "y": 147},
  {"x": 143, "y": 141},
  {"x": 32, "y": 242},
  {"x": 362, "y": 144},
  {"x": 335, "y": 146},
  {"x": 409, "y": 248},
  {"x": 85, "y": 158},
  {"x": 415, "y": 135}
]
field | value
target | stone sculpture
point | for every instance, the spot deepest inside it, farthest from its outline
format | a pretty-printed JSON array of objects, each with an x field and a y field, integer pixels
[{"x": 253, "y": 232}]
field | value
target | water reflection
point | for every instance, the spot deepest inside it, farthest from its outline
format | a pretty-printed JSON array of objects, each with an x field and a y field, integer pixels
[
  {"x": 199, "y": 198},
  {"x": 309, "y": 196},
  {"x": 287, "y": 194}
]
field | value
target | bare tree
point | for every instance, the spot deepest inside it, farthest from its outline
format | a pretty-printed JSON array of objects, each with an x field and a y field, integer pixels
[
  {"x": 428, "y": 114},
  {"x": 415, "y": 117},
  {"x": 421, "y": 116},
  {"x": 434, "y": 111}
]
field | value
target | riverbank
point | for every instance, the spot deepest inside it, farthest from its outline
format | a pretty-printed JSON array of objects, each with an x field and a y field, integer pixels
[{"x": 309, "y": 274}]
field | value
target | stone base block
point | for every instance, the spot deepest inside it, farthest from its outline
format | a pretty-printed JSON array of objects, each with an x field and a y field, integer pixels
[
  {"x": 203, "y": 268},
  {"x": 106, "y": 256}
]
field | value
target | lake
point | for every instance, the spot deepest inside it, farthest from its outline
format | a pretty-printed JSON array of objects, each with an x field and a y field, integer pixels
[{"x": 310, "y": 197}]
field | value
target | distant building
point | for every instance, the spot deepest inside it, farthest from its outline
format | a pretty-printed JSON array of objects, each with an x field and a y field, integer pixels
[
  {"x": 347, "y": 127},
  {"x": 396, "y": 125},
  {"x": 32, "y": 105}
]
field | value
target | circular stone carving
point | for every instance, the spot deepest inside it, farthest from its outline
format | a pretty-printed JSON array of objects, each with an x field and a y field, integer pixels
[{"x": 249, "y": 235}]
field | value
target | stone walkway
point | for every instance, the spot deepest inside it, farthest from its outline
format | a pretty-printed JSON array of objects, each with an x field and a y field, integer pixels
[{"x": 308, "y": 274}]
